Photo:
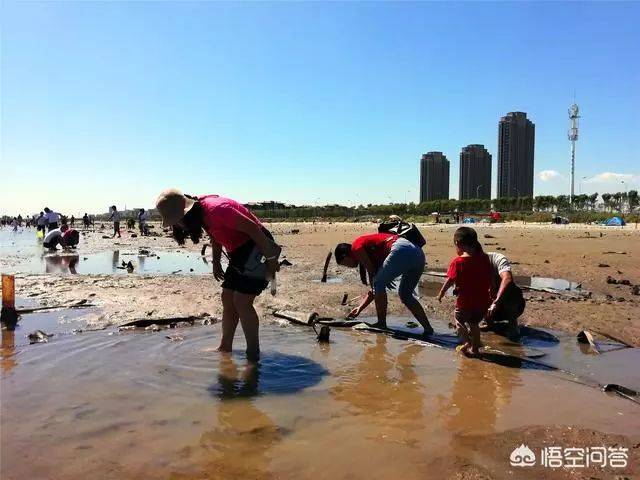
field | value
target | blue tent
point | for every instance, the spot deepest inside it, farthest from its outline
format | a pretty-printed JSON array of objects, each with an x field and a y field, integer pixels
[
  {"x": 614, "y": 222},
  {"x": 469, "y": 220}
]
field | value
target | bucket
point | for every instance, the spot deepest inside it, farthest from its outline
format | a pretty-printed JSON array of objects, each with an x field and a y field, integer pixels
[{"x": 40, "y": 234}]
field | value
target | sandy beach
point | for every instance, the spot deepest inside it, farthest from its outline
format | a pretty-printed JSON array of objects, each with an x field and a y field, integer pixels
[
  {"x": 583, "y": 254},
  {"x": 164, "y": 405}
]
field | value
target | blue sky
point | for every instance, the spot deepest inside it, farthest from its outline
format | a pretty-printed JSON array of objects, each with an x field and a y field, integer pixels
[{"x": 109, "y": 102}]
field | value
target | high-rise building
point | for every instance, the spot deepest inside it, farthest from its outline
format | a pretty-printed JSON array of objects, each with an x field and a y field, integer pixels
[
  {"x": 434, "y": 177},
  {"x": 475, "y": 172},
  {"x": 516, "y": 139}
]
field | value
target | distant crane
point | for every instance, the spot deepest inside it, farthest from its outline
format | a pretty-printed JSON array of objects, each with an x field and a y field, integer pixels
[{"x": 573, "y": 137}]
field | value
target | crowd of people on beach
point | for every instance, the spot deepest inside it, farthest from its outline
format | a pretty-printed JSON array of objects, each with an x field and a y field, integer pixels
[{"x": 487, "y": 298}]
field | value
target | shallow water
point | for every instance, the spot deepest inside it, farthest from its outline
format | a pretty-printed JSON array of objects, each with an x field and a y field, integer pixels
[
  {"x": 432, "y": 281},
  {"x": 111, "y": 262},
  {"x": 137, "y": 405}
]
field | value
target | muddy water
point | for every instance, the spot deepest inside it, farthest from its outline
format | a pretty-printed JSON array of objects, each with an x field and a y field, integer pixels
[{"x": 137, "y": 405}]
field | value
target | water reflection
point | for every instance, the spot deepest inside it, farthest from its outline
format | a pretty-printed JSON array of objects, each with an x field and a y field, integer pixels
[
  {"x": 61, "y": 263},
  {"x": 239, "y": 444},
  {"x": 381, "y": 382},
  {"x": 481, "y": 390},
  {"x": 276, "y": 373},
  {"x": 115, "y": 260},
  {"x": 8, "y": 351}
]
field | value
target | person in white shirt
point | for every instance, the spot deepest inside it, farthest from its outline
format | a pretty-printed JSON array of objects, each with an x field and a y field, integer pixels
[
  {"x": 51, "y": 218},
  {"x": 63, "y": 236},
  {"x": 115, "y": 218},
  {"x": 508, "y": 302},
  {"x": 41, "y": 223}
]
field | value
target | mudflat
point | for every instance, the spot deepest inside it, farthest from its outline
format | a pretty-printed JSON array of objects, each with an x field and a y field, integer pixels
[
  {"x": 583, "y": 254},
  {"x": 164, "y": 404}
]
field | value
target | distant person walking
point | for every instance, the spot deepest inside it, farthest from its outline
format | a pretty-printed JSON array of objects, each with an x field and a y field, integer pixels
[
  {"x": 115, "y": 218},
  {"x": 86, "y": 222},
  {"x": 52, "y": 218},
  {"x": 72, "y": 222},
  {"x": 142, "y": 221},
  {"x": 253, "y": 255},
  {"x": 386, "y": 257},
  {"x": 41, "y": 223}
]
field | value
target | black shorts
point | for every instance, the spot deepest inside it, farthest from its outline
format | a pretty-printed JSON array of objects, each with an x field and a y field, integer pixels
[
  {"x": 52, "y": 226},
  {"x": 233, "y": 277}
]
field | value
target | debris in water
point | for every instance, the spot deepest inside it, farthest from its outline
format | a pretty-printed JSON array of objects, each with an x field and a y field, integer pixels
[
  {"x": 153, "y": 328},
  {"x": 585, "y": 337},
  {"x": 124, "y": 328},
  {"x": 174, "y": 338},
  {"x": 39, "y": 336},
  {"x": 411, "y": 325}
]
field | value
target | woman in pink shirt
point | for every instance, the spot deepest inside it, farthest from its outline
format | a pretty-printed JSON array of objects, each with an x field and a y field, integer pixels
[{"x": 252, "y": 253}]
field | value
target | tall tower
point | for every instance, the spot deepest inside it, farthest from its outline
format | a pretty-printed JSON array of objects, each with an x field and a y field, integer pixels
[
  {"x": 434, "y": 177},
  {"x": 573, "y": 137},
  {"x": 475, "y": 172},
  {"x": 516, "y": 142}
]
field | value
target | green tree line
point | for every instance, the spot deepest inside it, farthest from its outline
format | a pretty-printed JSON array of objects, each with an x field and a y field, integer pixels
[{"x": 619, "y": 203}]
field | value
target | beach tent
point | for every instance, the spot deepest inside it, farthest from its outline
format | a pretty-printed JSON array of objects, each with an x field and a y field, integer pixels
[
  {"x": 614, "y": 222},
  {"x": 469, "y": 220}
]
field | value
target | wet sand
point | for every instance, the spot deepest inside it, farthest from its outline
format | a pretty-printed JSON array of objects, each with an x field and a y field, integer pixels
[
  {"x": 111, "y": 404},
  {"x": 567, "y": 252}
]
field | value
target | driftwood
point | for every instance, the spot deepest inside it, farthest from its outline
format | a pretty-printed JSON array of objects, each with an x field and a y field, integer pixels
[
  {"x": 146, "y": 322},
  {"x": 80, "y": 304},
  {"x": 326, "y": 267},
  {"x": 301, "y": 318}
]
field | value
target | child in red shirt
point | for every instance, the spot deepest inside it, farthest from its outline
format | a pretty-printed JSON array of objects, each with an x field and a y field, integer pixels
[{"x": 471, "y": 273}]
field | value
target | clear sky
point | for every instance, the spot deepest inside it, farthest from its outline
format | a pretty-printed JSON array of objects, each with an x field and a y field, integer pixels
[{"x": 109, "y": 102}]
